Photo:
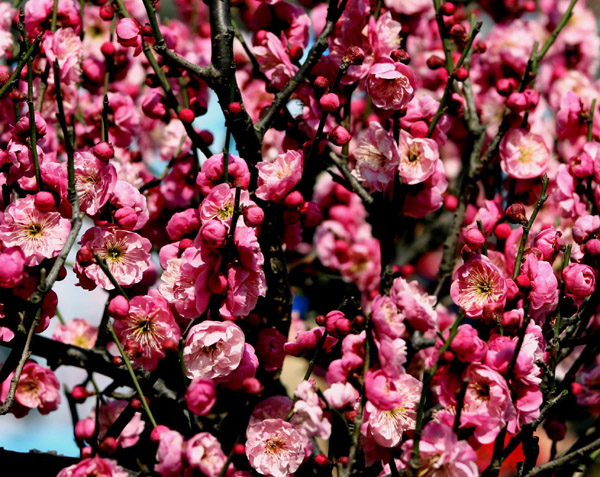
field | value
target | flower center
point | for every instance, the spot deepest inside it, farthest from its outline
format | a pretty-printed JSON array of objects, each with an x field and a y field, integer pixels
[
  {"x": 274, "y": 445},
  {"x": 34, "y": 230},
  {"x": 226, "y": 212},
  {"x": 113, "y": 253}
]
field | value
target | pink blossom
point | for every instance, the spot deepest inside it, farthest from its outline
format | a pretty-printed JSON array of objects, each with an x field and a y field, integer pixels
[
  {"x": 269, "y": 348},
  {"x": 442, "y": 453},
  {"x": 274, "y": 59},
  {"x": 544, "y": 292},
  {"x": 77, "y": 332},
  {"x": 377, "y": 157},
  {"x": 213, "y": 349},
  {"x": 418, "y": 158},
  {"x": 478, "y": 282},
  {"x": 148, "y": 327},
  {"x": 38, "y": 388},
  {"x": 12, "y": 262},
  {"x": 109, "y": 413},
  {"x": 386, "y": 427},
  {"x": 585, "y": 226},
  {"x": 388, "y": 320},
  {"x": 549, "y": 242},
  {"x": 391, "y": 85},
  {"x": 467, "y": 345},
  {"x": 580, "y": 280},
  {"x": 220, "y": 202},
  {"x": 201, "y": 396},
  {"x": 96, "y": 466},
  {"x": 422, "y": 200},
  {"x": 127, "y": 256},
  {"x": 169, "y": 462},
  {"x": 213, "y": 169},
  {"x": 39, "y": 11},
  {"x": 65, "y": 47},
  {"x": 246, "y": 369},
  {"x": 275, "y": 447},
  {"x": 94, "y": 181},
  {"x": 524, "y": 155},
  {"x": 277, "y": 178},
  {"x": 128, "y": 34},
  {"x": 125, "y": 197},
  {"x": 308, "y": 415},
  {"x": 38, "y": 234},
  {"x": 204, "y": 452},
  {"x": 590, "y": 396},
  {"x": 414, "y": 304},
  {"x": 392, "y": 355},
  {"x": 341, "y": 395}
]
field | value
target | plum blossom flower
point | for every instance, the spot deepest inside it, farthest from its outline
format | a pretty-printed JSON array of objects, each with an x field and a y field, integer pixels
[
  {"x": 377, "y": 157},
  {"x": 94, "y": 181},
  {"x": 201, "y": 396},
  {"x": 38, "y": 234},
  {"x": 213, "y": 349},
  {"x": 213, "y": 168},
  {"x": 204, "y": 452},
  {"x": 524, "y": 155},
  {"x": 442, "y": 453},
  {"x": 169, "y": 462},
  {"x": 418, "y": 158},
  {"x": 38, "y": 388},
  {"x": 414, "y": 304},
  {"x": 580, "y": 280},
  {"x": 147, "y": 329},
  {"x": 478, "y": 282},
  {"x": 275, "y": 447},
  {"x": 77, "y": 332},
  {"x": 278, "y": 177},
  {"x": 12, "y": 263},
  {"x": 96, "y": 466},
  {"x": 109, "y": 413},
  {"x": 390, "y": 84}
]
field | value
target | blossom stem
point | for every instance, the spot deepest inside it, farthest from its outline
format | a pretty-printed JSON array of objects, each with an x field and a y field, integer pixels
[
  {"x": 590, "y": 121},
  {"x": 21, "y": 64},
  {"x": 102, "y": 264},
  {"x": 527, "y": 228},
  {"x": 136, "y": 383},
  {"x": 353, "y": 182}
]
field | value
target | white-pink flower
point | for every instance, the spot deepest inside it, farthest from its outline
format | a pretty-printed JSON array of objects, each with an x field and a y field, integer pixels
[
  {"x": 418, "y": 158},
  {"x": 127, "y": 256},
  {"x": 278, "y": 177},
  {"x": 390, "y": 84},
  {"x": 204, "y": 452},
  {"x": 95, "y": 466},
  {"x": 524, "y": 155},
  {"x": 213, "y": 349},
  {"x": 77, "y": 332},
  {"x": 38, "y": 234},
  {"x": 275, "y": 447}
]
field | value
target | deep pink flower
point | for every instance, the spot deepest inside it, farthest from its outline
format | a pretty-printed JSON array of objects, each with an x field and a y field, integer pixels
[
  {"x": 269, "y": 348},
  {"x": 478, "y": 282},
  {"x": 148, "y": 327},
  {"x": 38, "y": 388},
  {"x": 95, "y": 466},
  {"x": 278, "y": 177},
  {"x": 275, "y": 447},
  {"x": 12, "y": 263},
  {"x": 467, "y": 345},
  {"x": 548, "y": 241},
  {"x": 213, "y": 349},
  {"x": 131, "y": 206},
  {"x": 38, "y": 234},
  {"x": 524, "y": 155},
  {"x": 414, "y": 304},
  {"x": 544, "y": 292},
  {"x": 391, "y": 85},
  {"x": 201, "y": 396},
  {"x": 127, "y": 256},
  {"x": 213, "y": 169},
  {"x": 580, "y": 280},
  {"x": 341, "y": 396}
]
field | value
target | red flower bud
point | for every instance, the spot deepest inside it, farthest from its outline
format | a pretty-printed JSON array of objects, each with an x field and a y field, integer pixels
[
  {"x": 339, "y": 136},
  {"x": 108, "y": 49},
  {"x": 44, "y": 201},
  {"x": 312, "y": 214},
  {"x": 80, "y": 394},
  {"x": 85, "y": 256},
  {"x": 461, "y": 74},
  {"x": 321, "y": 83},
  {"x": 505, "y": 86},
  {"x": 448, "y": 9},
  {"x": 523, "y": 282},
  {"x": 186, "y": 115},
  {"x": 107, "y": 12},
  {"x": 515, "y": 213},
  {"x": 354, "y": 56},
  {"x": 451, "y": 202},
  {"x": 434, "y": 62},
  {"x": 235, "y": 108},
  {"x": 294, "y": 200},
  {"x": 474, "y": 238},
  {"x": 104, "y": 151},
  {"x": 253, "y": 216},
  {"x": 517, "y": 102},
  {"x": 296, "y": 53},
  {"x": 502, "y": 231},
  {"x": 400, "y": 56},
  {"x": 108, "y": 445},
  {"x": 329, "y": 102},
  {"x": 118, "y": 307}
]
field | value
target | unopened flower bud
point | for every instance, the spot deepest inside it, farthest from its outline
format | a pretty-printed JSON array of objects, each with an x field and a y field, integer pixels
[
  {"x": 207, "y": 137},
  {"x": 515, "y": 213},
  {"x": 505, "y": 86},
  {"x": 239, "y": 449},
  {"x": 235, "y": 108},
  {"x": 321, "y": 83},
  {"x": 44, "y": 201},
  {"x": 400, "y": 56},
  {"x": 461, "y": 74},
  {"x": 217, "y": 283},
  {"x": 108, "y": 49},
  {"x": 517, "y": 102},
  {"x": 321, "y": 460},
  {"x": 533, "y": 98},
  {"x": 312, "y": 215},
  {"x": 296, "y": 53},
  {"x": 108, "y": 445},
  {"x": 253, "y": 216},
  {"x": 451, "y": 202},
  {"x": 213, "y": 233},
  {"x": 339, "y": 136},
  {"x": 448, "y": 9},
  {"x": 126, "y": 218},
  {"x": 354, "y": 55},
  {"x": 419, "y": 129},
  {"x": 435, "y": 62},
  {"x": 592, "y": 247},
  {"x": 252, "y": 385},
  {"x": 502, "y": 230},
  {"x": 107, "y": 12},
  {"x": 80, "y": 394},
  {"x": 187, "y": 116},
  {"x": 104, "y": 151},
  {"x": 555, "y": 429},
  {"x": 523, "y": 282},
  {"x": 458, "y": 33},
  {"x": 85, "y": 256},
  {"x": 84, "y": 429},
  {"x": 294, "y": 200},
  {"x": 118, "y": 307},
  {"x": 329, "y": 102},
  {"x": 474, "y": 239}
]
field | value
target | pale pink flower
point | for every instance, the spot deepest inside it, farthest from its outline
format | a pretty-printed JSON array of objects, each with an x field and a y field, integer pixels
[
  {"x": 94, "y": 181},
  {"x": 384, "y": 392},
  {"x": 386, "y": 317},
  {"x": 6, "y": 16},
  {"x": 246, "y": 369},
  {"x": 275, "y": 61},
  {"x": 377, "y": 157},
  {"x": 467, "y": 345},
  {"x": 544, "y": 291},
  {"x": 442, "y": 454},
  {"x": 109, "y": 413},
  {"x": 392, "y": 355},
  {"x": 65, "y": 47},
  {"x": 204, "y": 452},
  {"x": 524, "y": 155},
  {"x": 147, "y": 329},
  {"x": 408, "y": 7},
  {"x": 38, "y": 234},
  {"x": 274, "y": 407},
  {"x": 363, "y": 265},
  {"x": 220, "y": 202},
  {"x": 126, "y": 197},
  {"x": 391, "y": 85},
  {"x": 278, "y": 177},
  {"x": 418, "y": 158},
  {"x": 77, "y": 332},
  {"x": 415, "y": 304},
  {"x": 341, "y": 396},
  {"x": 169, "y": 461},
  {"x": 308, "y": 415},
  {"x": 38, "y": 388},
  {"x": 127, "y": 256},
  {"x": 422, "y": 200},
  {"x": 478, "y": 282},
  {"x": 386, "y": 427},
  {"x": 95, "y": 466},
  {"x": 244, "y": 288},
  {"x": 213, "y": 349},
  {"x": 275, "y": 447}
]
